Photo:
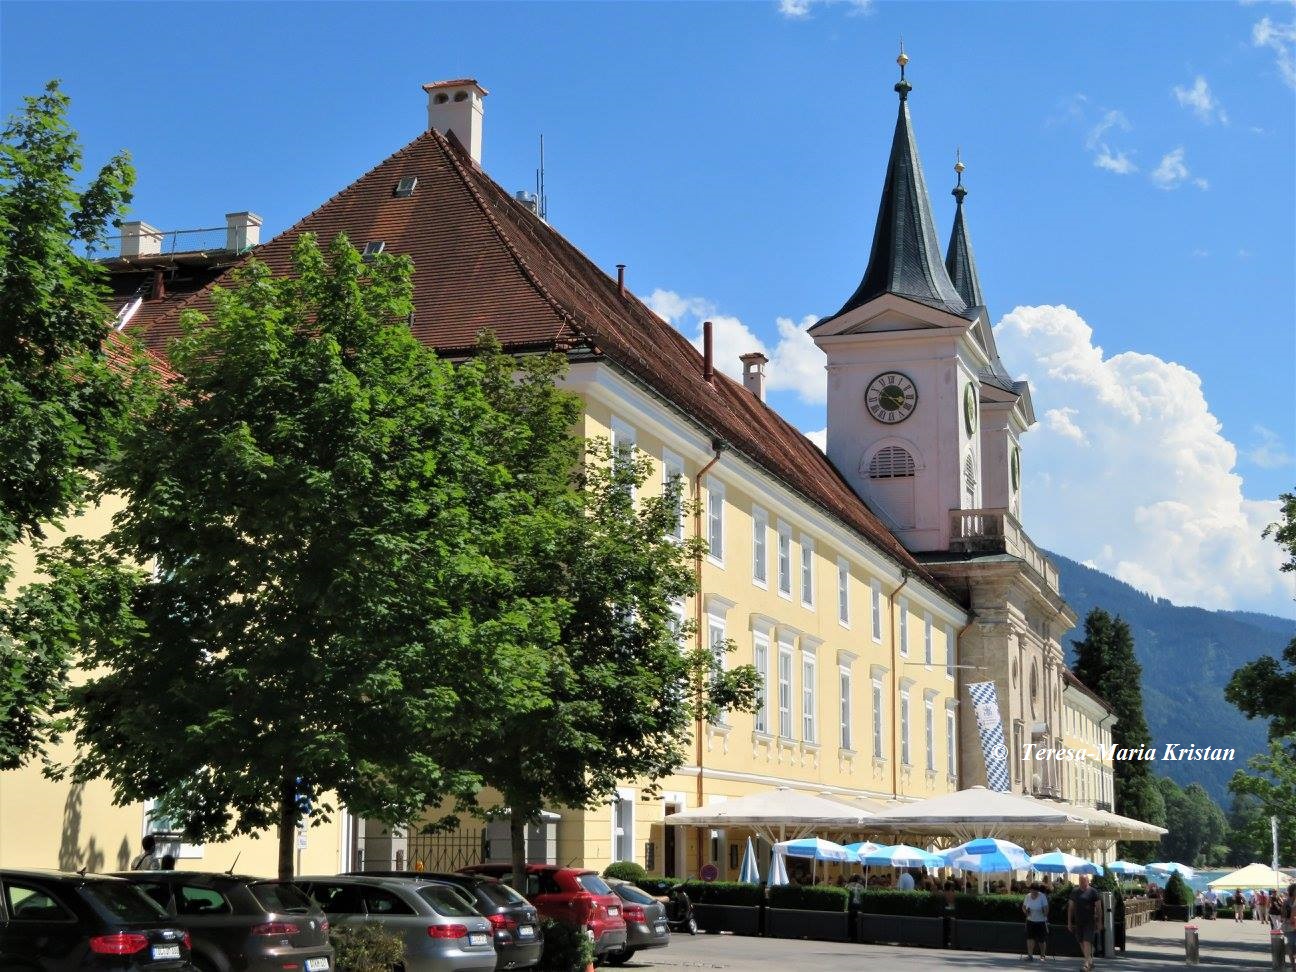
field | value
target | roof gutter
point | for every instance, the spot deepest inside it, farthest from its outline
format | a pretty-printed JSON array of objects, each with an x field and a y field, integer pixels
[{"x": 905, "y": 574}]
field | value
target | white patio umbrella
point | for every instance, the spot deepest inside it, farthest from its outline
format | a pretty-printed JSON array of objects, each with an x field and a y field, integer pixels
[
  {"x": 814, "y": 849},
  {"x": 1126, "y": 867},
  {"x": 775, "y": 814},
  {"x": 778, "y": 870},
  {"x": 1166, "y": 868},
  {"x": 902, "y": 855},
  {"x": 1251, "y": 876},
  {"x": 975, "y": 812},
  {"x": 1056, "y": 862},
  {"x": 749, "y": 872}
]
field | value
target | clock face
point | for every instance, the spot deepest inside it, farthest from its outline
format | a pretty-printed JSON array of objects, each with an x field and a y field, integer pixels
[
  {"x": 891, "y": 397},
  {"x": 970, "y": 408}
]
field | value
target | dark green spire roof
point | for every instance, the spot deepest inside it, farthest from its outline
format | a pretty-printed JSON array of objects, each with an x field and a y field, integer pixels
[
  {"x": 959, "y": 260},
  {"x": 905, "y": 259}
]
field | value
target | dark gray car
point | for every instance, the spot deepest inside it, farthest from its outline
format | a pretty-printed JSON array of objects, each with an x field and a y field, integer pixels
[
  {"x": 645, "y": 919},
  {"x": 242, "y": 924},
  {"x": 442, "y": 930}
]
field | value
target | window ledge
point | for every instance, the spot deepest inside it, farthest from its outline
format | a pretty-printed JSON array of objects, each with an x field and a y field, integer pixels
[
  {"x": 844, "y": 624},
  {"x": 879, "y": 762},
  {"x": 763, "y": 585},
  {"x": 714, "y": 562},
  {"x": 810, "y": 747},
  {"x": 786, "y": 595},
  {"x": 787, "y": 742},
  {"x": 760, "y": 736},
  {"x": 847, "y": 753}
]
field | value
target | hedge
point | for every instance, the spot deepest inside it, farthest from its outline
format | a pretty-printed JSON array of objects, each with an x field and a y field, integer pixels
[
  {"x": 625, "y": 871},
  {"x": 659, "y": 886},
  {"x": 815, "y": 897},
  {"x": 1177, "y": 891},
  {"x": 874, "y": 902},
  {"x": 989, "y": 907},
  {"x": 723, "y": 892}
]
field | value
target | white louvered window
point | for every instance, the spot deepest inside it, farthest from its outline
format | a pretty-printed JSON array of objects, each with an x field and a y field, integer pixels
[
  {"x": 877, "y": 718},
  {"x": 903, "y": 611},
  {"x": 715, "y": 519},
  {"x": 807, "y": 570},
  {"x": 876, "y": 607},
  {"x": 951, "y": 751},
  {"x": 785, "y": 559},
  {"x": 891, "y": 462},
  {"x": 844, "y": 685},
  {"x": 808, "y": 680},
  {"x": 760, "y": 556},
  {"x": 760, "y": 651},
  {"x": 785, "y": 690},
  {"x": 843, "y": 592}
]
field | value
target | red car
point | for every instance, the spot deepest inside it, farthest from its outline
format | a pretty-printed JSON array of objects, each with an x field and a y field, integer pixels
[{"x": 570, "y": 895}]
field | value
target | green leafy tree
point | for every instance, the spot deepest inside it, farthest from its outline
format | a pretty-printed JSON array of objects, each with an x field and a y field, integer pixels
[
  {"x": 1270, "y": 778},
  {"x": 1248, "y": 831},
  {"x": 62, "y": 406},
  {"x": 1105, "y": 662},
  {"x": 318, "y": 498},
  {"x": 1197, "y": 825}
]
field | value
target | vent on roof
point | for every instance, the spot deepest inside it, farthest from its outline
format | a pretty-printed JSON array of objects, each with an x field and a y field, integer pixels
[
  {"x": 891, "y": 462},
  {"x": 373, "y": 248},
  {"x": 405, "y": 188}
]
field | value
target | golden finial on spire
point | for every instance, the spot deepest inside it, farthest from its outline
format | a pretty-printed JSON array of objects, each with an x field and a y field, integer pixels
[
  {"x": 903, "y": 59},
  {"x": 959, "y": 167}
]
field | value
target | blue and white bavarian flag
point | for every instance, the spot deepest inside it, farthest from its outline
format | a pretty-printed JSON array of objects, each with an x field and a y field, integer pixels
[{"x": 985, "y": 703}]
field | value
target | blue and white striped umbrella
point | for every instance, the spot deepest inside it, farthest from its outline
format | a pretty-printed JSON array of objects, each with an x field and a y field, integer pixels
[
  {"x": 1055, "y": 862},
  {"x": 863, "y": 847},
  {"x": 987, "y": 855},
  {"x": 902, "y": 855},
  {"x": 1126, "y": 867},
  {"x": 814, "y": 848},
  {"x": 1167, "y": 868},
  {"x": 749, "y": 872}
]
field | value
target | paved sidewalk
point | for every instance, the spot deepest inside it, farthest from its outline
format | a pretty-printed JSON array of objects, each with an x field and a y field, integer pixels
[{"x": 1156, "y": 946}]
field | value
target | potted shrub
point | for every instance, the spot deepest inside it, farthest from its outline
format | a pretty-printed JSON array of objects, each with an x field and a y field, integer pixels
[
  {"x": 731, "y": 906},
  {"x": 566, "y": 948},
  {"x": 366, "y": 947},
  {"x": 817, "y": 911},
  {"x": 902, "y": 917},
  {"x": 626, "y": 871},
  {"x": 1178, "y": 901}
]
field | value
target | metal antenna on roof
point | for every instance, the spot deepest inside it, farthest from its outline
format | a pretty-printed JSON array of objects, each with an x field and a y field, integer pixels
[{"x": 542, "y": 201}]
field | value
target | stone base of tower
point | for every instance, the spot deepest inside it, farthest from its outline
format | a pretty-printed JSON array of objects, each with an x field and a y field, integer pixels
[{"x": 1013, "y": 640}]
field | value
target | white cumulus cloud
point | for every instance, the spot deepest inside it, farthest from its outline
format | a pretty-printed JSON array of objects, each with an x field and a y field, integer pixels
[
  {"x": 1173, "y": 172},
  {"x": 796, "y": 364},
  {"x": 1120, "y": 162},
  {"x": 1268, "y": 451},
  {"x": 1281, "y": 39},
  {"x": 1096, "y": 141},
  {"x": 1201, "y": 102},
  {"x": 1153, "y": 497},
  {"x": 800, "y": 9},
  {"x": 819, "y": 438}
]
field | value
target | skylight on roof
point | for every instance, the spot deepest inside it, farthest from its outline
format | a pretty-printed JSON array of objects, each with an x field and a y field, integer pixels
[
  {"x": 405, "y": 188},
  {"x": 373, "y": 248}
]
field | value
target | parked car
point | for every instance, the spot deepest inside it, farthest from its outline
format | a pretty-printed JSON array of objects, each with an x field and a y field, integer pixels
[
  {"x": 52, "y": 921},
  {"x": 571, "y": 895},
  {"x": 442, "y": 930},
  {"x": 515, "y": 921},
  {"x": 645, "y": 919},
  {"x": 242, "y": 924}
]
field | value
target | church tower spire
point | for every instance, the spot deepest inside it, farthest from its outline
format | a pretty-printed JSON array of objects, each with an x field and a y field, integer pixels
[
  {"x": 905, "y": 259},
  {"x": 959, "y": 261}
]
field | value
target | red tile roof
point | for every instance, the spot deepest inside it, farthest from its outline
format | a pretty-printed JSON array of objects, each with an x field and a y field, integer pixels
[
  {"x": 483, "y": 260},
  {"x": 119, "y": 353},
  {"x": 1073, "y": 680}
]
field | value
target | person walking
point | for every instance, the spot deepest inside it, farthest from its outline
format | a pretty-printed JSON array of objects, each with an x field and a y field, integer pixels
[
  {"x": 1239, "y": 907},
  {"x": 855, "y": 896},
  {"x": 1275, "y": 910},
  {"x": 149, "y": 860},
  {"x": 1211, "y": 900},
  {"x": 1082, "y": 918},
  {"x": 1035, "y": 907}
]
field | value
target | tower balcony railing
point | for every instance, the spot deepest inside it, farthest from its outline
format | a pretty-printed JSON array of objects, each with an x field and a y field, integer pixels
[{"x": 997, "y": 531}]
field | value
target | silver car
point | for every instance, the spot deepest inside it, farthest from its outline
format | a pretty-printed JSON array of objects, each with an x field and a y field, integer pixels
[{"x": 442, "y": 930}]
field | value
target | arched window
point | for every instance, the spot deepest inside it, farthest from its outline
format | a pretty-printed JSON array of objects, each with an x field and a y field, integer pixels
[{"x": 891, "y": 462}]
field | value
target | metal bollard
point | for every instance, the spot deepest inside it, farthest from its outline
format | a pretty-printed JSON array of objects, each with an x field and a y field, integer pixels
[
  {"x": 1277, "y": 950},
  {"x": 1192, "y": 950}
]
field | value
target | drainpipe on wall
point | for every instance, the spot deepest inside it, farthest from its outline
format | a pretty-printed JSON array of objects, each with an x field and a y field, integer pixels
[
  {"x": 717, "y": 447},
  {"x": 905, "y": 573},
  {"x": 958, "y": 681}
]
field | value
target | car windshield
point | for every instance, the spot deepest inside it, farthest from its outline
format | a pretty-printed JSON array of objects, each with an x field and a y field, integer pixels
[
  {"x": 281, "y": 897},
  {"x": 446, "y": 902},
  {"x": 593, "y": 884},
  {"x": 628, "y": 892},
  {"x": 123, "y": 901},
  {"x": 500, "y": 894}
]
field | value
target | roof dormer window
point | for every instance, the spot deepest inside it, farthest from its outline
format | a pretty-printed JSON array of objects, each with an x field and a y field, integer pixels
[
  {"x": 372, "y": 249},
  {"x": 405, "y": 188}
]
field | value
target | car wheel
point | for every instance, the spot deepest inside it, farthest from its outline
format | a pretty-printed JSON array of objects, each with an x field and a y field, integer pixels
[{"x": 620, "y": 957}]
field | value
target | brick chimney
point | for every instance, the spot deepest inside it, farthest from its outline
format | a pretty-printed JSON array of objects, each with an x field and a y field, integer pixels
[
  {"x": 754, "y": 363},
  {"x": 242, "y": 230},
  {"x": 138, "y": 238},
  {"x": 456, "y": 106}
]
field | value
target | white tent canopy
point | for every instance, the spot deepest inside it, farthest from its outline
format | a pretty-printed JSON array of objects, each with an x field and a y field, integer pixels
[
  {"x": 775, "y": 814},
  {"x": 1253, "y": 876},
  {"x": 974, "y": 812}
]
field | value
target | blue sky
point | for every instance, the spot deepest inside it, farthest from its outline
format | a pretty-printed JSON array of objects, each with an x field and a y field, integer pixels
[{"x": 1132, "y": 162}]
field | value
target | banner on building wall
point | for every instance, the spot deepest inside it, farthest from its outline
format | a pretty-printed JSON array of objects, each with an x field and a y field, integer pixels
[{"x": 985, "y": 703}]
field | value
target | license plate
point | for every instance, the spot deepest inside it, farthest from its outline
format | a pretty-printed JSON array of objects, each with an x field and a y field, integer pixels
[
  {"x": 526, "y": 931},
  {"x": 317, "y": 965},
  {"x": 163, "y": 952},
  {"x": 613, "y": 912},
  {"x": 660, "y": 929},
  {"x": 478, "y": 938}
]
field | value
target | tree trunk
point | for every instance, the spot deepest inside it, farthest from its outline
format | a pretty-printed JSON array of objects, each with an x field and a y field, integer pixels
[
  {"x": 288, "y": 813},
  {"x": 518, "y": 817}
]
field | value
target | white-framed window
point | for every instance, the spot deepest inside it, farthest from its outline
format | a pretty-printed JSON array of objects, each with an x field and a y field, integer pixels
[
  {"x": 878, "y": 716},
  {"x": 927, "y": 639},
  {"x": 904, "y": 627},
  {"x": 951, "y": 743},
  {"x": 785, "y": 559},
  {"x": 168, "y": 834},
  {"x": 623, "y": 443},
  {"x": 951, "y": 651},
  {"x": 677, "y": 619},
  {"x": 844, "y": 686},
  {"x": 904, "y": 726},
  {"x": 715, "y": 519},
  {"x": 760, "y": 657},
  {"x": 808, "y": 681},
  {"x": 672, "y": 472},
  {"x": 929, "y": 732},
  {"x": 760, "y": 552},
  {"x": 716, "y": 641},
  {"x": 785, "y": 689},
  {"x": 807, "y": 570},
  {"x": 843, "y": 591},
  {"x": 623, "y": 807},
  {"x": 875, "y": 607}
]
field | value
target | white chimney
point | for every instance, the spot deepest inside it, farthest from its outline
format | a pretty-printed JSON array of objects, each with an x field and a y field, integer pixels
[
  {"x": 242, "y": 230},
  {"x": 754, "y": 363},
  {"x": 138, "y": 238},
  {"x": 456, "y": 106}
]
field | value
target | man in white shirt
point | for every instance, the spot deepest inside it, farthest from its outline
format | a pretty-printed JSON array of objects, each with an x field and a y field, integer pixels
[
  {"x": 906, "y": 882},
  {"x": 1035, "y": 908}
]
